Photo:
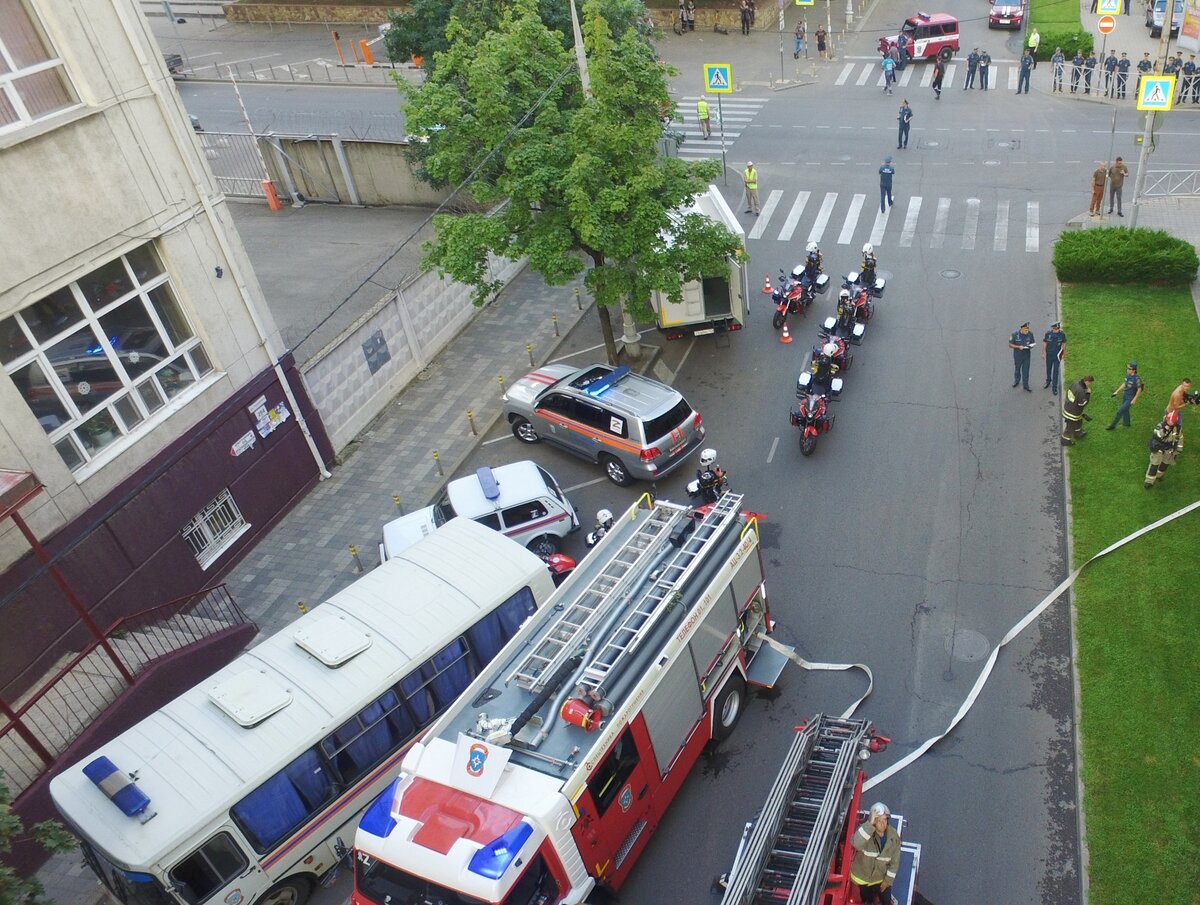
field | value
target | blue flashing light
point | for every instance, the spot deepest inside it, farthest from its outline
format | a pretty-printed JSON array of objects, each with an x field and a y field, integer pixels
[
  {"x": 119, "y": 788},
  {"x": 488, "y": 483},
  {"x": 137, "y": 877},
  {"x": 377, "y": 819},
  {"x": 600, "y": 384},
  {"x": 493, "y": 859}
]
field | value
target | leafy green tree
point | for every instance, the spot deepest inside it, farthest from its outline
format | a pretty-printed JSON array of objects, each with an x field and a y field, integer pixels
[
  {"x": 582, "y": 177},
  {"x": 421, "y": 31},
  {"x": 51, "y": 835}
]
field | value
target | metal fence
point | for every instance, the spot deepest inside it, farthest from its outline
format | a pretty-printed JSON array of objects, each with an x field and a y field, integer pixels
[
  {"x": 320, "y": 72},
  {"x": 1161, "y": 183},
  {"x": 235, "y": 162}
]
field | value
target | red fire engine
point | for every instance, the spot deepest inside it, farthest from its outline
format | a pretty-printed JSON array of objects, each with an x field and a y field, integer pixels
[{"x": 554, "y": 768}]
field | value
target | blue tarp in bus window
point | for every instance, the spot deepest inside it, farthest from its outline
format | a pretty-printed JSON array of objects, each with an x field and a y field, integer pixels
[
  {"x": 270, "y": 811},
  {"x": 397, "y": 716},
  {"x": 492, "y": 632},
  {"x": 452, "y": 673},
  {"x": 370, "y": 747},
  {"x": 311, "y": 779},
  {"x": 417, "y": 696}
]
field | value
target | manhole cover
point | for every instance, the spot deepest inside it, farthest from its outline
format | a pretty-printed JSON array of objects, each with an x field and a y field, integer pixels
[
  {"x": 968, "y": 645},
  {"x": 951, "y": 274},
  {"x": 991, "y": 163}
]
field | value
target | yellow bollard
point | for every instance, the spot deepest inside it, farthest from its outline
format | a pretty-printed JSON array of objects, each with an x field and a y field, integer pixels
[{"x": 438, "y": 461}]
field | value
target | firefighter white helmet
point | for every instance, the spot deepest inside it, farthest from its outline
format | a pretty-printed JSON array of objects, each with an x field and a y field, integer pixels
[
  {"x": 868, "y": 249},
  {"x": 707, "y": 458},
  {"x": 829, "y": 349},
  {"x": 844, "y": 294},
  {"x": 879, "y": 809},
  {"x": 604, "y": 517},
  {"x": 813, "y": 247}
]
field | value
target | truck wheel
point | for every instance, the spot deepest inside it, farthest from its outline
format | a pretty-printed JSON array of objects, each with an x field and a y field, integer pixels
[
  {"x": 945, "y": 54},
  {"x": 546, "y": 545},
  {"x": 293, "y": 891},
  {"x": 727, "y": 706},
  {"x": 524, "y": 431},
  {"x": 616, "y": 472}
]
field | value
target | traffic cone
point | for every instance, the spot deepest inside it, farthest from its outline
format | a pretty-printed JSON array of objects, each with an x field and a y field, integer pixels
[
  {"x": 767, "y": 290},
  {"x": 785, "y": 337}
]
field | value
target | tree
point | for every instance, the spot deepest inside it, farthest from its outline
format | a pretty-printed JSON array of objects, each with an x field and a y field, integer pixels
[
  {"x": 51, "y": 835},
  {"x": 581, "y": 176}
]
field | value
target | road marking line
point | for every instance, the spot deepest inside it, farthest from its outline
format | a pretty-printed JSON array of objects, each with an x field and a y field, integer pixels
[
  {"x": 845, "y": 74},
  {"x": 822, "y": 221},
  {"x": 793, "y": 217},
  {"x": 910, "y": 221},
  {"x": 1012, "y": 79},
  {"x": 948, "y": 81},
  {"x": 767, "y": 210},
  {"x": 1032, "y": 231},
  {"x": 927, "y": 78},
  {"x": 507, "y": 437},
  {"x": 939, "y": 223},
  {"x": 906, "y": 76},
  {"x": 265, "y": 56},
  {"x": 1000, "y": 243},
  {"x": 851, "y": 220},
  {"x": 866, "y": 74},
  {"x": 972, "y": 224},
  {"x": 583, "y": 484},
  {"x": 881, "y": 220},
  {"x": 770, "y": 455}
]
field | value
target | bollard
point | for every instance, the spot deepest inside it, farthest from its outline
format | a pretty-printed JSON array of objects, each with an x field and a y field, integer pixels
[
  {"x": 529, "y": 349},
  {"x": 578, "y": 299},
  {"x": 301, "y": 607},
  {"x": 471, "y": 421},
  {"x": 500, "y": 380},
  {"x": 358, "y": 566},
  {"x": 397, "y": 501},
  {"x": 554, "y": 317},
  {"x": 438, "y": 461}
]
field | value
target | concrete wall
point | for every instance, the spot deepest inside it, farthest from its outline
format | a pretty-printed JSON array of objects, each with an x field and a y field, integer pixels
[{"x": 303, "y": 12}]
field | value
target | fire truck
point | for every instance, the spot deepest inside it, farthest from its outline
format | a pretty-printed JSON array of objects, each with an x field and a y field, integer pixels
[
  {"x": 551, "y": 772},
  {"x": 798, "y": 850}
]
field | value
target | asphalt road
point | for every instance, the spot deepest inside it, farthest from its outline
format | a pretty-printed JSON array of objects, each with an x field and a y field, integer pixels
[{"x": 362, "y": 113}]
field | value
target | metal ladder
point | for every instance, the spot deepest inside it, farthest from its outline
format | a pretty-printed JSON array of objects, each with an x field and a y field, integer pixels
[
  {"x": 787, "y": 857},
  {"x": 648, "y": 609},
  {"x": 567, "y": 633}
]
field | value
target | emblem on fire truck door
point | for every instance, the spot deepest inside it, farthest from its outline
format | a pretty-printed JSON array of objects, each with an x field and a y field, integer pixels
[{"x": 625, "y": 799}]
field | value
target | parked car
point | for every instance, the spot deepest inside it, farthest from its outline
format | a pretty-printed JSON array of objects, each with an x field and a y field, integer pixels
[
  {"x": 1007, "y": 14},
  {"x": 521, "y": 500},
  {"x": 930, "y": 35},
  {"x": 634, "y": 426},
  {"x": 1156, "y": 14}
]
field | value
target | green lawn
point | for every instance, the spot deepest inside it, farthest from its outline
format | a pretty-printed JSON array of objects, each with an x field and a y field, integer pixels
[{"x": 1139, "y": 608}]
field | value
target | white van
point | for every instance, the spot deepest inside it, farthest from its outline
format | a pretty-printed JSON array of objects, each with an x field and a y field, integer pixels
[{"x": 521, "y": 500}]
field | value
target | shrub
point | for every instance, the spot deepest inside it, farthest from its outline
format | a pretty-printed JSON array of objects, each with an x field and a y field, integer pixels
[
  {"x": 1124, "y": 256},
  {"x": 1069, "y": 40}
]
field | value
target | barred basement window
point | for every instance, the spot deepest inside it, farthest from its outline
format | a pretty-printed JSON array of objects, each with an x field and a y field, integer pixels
[
  {"x": 214, "y": 529},
  {"x": 33, "y": 84}
]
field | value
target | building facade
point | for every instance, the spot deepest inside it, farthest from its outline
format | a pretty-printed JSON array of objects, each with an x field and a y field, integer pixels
[{"x": 143, "y": 382}]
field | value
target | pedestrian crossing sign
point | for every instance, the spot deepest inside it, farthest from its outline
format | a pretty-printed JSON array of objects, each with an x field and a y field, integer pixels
[
  {"x": 1156, "y": 93},
  {"x": 806, "y": 2},
  {"x": 718, "y": 78},
  {"x": 1109, "y": 7}
]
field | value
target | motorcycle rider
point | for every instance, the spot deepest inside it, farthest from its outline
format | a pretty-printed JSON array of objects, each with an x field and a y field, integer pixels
[
  {"x": 824, "y": 366},
  {"x": 812, "y": 263},
  {"x": 1074, "y": 401},
  {"x": 711, "y": 478},
  {"x": 866, "y": 273},
  {"x": 1166, "y": 444},
  {"x": 604, "y": 523}
]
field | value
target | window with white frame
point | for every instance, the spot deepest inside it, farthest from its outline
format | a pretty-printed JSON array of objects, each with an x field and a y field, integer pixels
[
  {"x": 214, "y": 529},
  {"x": 96, "y": 358},
  {"x": 33, "y": 82}
]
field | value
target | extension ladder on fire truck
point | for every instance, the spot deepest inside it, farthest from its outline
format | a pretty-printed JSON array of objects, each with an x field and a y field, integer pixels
[
  {"x": 648, "y": 608},
  {"x": 786, "y": 856}
]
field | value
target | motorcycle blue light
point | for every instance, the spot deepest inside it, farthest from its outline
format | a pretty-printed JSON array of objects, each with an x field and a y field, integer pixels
[
  {"x": 378, "y": 819},
  {"x": 600, "y": 384},
  {"x": 493, "y": 859},
  {"x": 119, "y": 788}
]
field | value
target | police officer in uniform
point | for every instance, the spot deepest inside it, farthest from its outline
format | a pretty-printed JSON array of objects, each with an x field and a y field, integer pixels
[
  {"x": 985, "y": 66},
  {"x": 1189, "y": 78},
  {"x": 1166, "y": 443},
  {"x": 1076, "y": 68},
  {"x": 1054, "y": 350},
  {"x": 1089, "y": 67},
  {"x": 972, "y": 65},
  {"x": 1021, "y": 342},
  {"x": 1123, "y": 65},
  {"x": 1074, "y": 401},
  {"x": 1144, "y": 67},
  {"x": 1110, "y": 73},
  {"x": 1131, "y": 388},
  {"x": 1058, "y": 60}
]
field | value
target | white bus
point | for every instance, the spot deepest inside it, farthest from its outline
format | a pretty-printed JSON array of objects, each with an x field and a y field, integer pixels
[{"x": 241, "y": 790}]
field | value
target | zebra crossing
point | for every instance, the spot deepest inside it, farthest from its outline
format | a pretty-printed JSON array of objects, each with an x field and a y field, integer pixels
[
  {"x": 942, "y": 223},
  {"x": 861, "y": 74},
  {"x": 735, "y": 114}
]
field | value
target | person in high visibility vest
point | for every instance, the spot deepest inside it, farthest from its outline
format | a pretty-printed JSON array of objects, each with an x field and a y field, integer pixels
[
  {"x": 750, "y": 177},
  {"x": 702, "y": 115},
  {"x": 876, "y": 856}
]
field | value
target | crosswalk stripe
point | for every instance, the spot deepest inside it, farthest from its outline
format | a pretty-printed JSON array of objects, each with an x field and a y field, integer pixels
[
  {"x": 845, "y": 74},
  {"x": 881, "y": 221},
  {"x": 1032, "y": 231},
  {"x": 872, "y": 74},
  {"x": 793, "y": 217},
  {"x": 767, "y": 210},
  {"x": 906, "y": 76},
  {"x": 927, "y": 78},
  {"x": 971, "y": 226},
  {"x": 939, "y": 223},
  {"x": 822, "y": 220},
  {"x": 1001, "y": 241},
  {"x": 910, "y": 222},
  {"x": 851, "y": 220},
  {"x": 866, "y": 74},
  {"x": 1012, "y": 79},
  {"x": 948, "y": 80}
]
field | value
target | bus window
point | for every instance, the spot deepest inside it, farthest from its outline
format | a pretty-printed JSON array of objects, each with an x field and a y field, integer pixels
[
  {"x": 364, "y": 740},
  {"x": 285, "y": 801},
  {"x": 208, "y": 869},
  {"x": 417, "y": 695},
  {"x": 492, "y": 632},
  {"x": 449, "y": 673}
]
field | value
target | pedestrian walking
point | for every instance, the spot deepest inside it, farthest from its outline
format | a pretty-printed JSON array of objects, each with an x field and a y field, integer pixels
[
  {"x": 1110, "y": 73},
  {"x": 889, "y": 73},
  {"x": 904, "y": 117},
  {"x": 1089, "y": 68},
  {"x": 753, "y": 12},
  {"x": 1076, "y": 70},
  {"x": 822, "y": 38},
  {"x": 689, "y": 15},
  {"x": 1123, "y": 66},
  {"x": 1075, "y": 400},
  {"x": 750, "y": 178},
  {"x": 1059, "y": 61},
  {"x": 1131, "y": 388},
  {"x": 1188, "y": 71},
  {"x": 1144, "y": 68},
  {"x": 1116, "y": 182},
  {"x": 1095, "y": 4},
  {"x": 972, "y": 65},
  {"x": 939, "y": 72},
  {"x": 1099, "y": 176},
  {"x": 1126, "y": 5},
  {"x": 744, "y": 9},
  {"x": 886, "y": 172},
  {"x": 703, "y": 115},
  {"x": 799, "y": 47},
  {"x": 1166, "y": 443},
  {"x": 1026, "y": 69},
  {"x": 1035, "y": 41},
  {"x": 1021, "y": 343},
  {"x": 985, "y": 66},
  {"x": 681, "y": 27},
  {"x": 1054, "y": 350}
]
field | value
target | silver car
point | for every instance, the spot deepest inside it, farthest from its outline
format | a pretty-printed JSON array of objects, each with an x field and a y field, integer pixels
[{"x": 634, "y": 426}]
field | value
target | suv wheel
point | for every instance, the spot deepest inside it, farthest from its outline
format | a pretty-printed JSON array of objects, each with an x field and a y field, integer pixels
[
  {"x": 945, "y": 54},
  {"x": 617, "y": 473},
  {"x": 544, "y": 546},
  {"x": 524, "y": 431}
]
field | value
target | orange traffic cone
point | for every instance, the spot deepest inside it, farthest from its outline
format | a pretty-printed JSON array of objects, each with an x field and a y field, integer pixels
[
  {"x": 785, "y": 337},
  {"x": 767, "y": 290}
]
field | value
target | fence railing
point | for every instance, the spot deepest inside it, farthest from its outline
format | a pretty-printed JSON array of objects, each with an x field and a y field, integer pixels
[
  {"x": 320, "y": 73},
  {"x": 40, "y": 726},
  {"x": 1161, "y": 183}
]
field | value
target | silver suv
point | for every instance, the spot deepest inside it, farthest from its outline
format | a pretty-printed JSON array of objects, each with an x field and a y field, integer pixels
[
  {"x": 1156, "y": 15},
  {"x": 634, "y": 426}
]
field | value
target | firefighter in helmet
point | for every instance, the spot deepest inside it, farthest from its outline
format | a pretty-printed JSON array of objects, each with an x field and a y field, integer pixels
[
  {"x": 876, "y": 856},
  {"x": 1074, "y": 401},
  {"x": 1166, "y": 443}
]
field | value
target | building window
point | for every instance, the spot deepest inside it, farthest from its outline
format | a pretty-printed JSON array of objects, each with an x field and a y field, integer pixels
[
  {"x": 33, "y": 83},
  {"x": 214, "y": 529},
  {"x": 97, "y": 358}
]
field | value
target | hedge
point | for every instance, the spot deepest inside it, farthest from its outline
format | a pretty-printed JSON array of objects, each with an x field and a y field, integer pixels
[
  {"x": 1069, "y": 40},
  {"x": 1121, "y": 256}
]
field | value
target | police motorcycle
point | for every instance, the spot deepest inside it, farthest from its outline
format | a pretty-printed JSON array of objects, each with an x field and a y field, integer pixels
[
  {"x": 850, "y": 321},
  {"x": 793, "y": 295},
  {"x": 866, "y": 277},
  {"x": 835, "y": 349},
  {"x": 711, "y": 480},
  {"x": 811, "y": 268},
  {"x": 811, "y": 416},
  {"x": 822, "y": 374},
  {"x": 604, "y": 523}
]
